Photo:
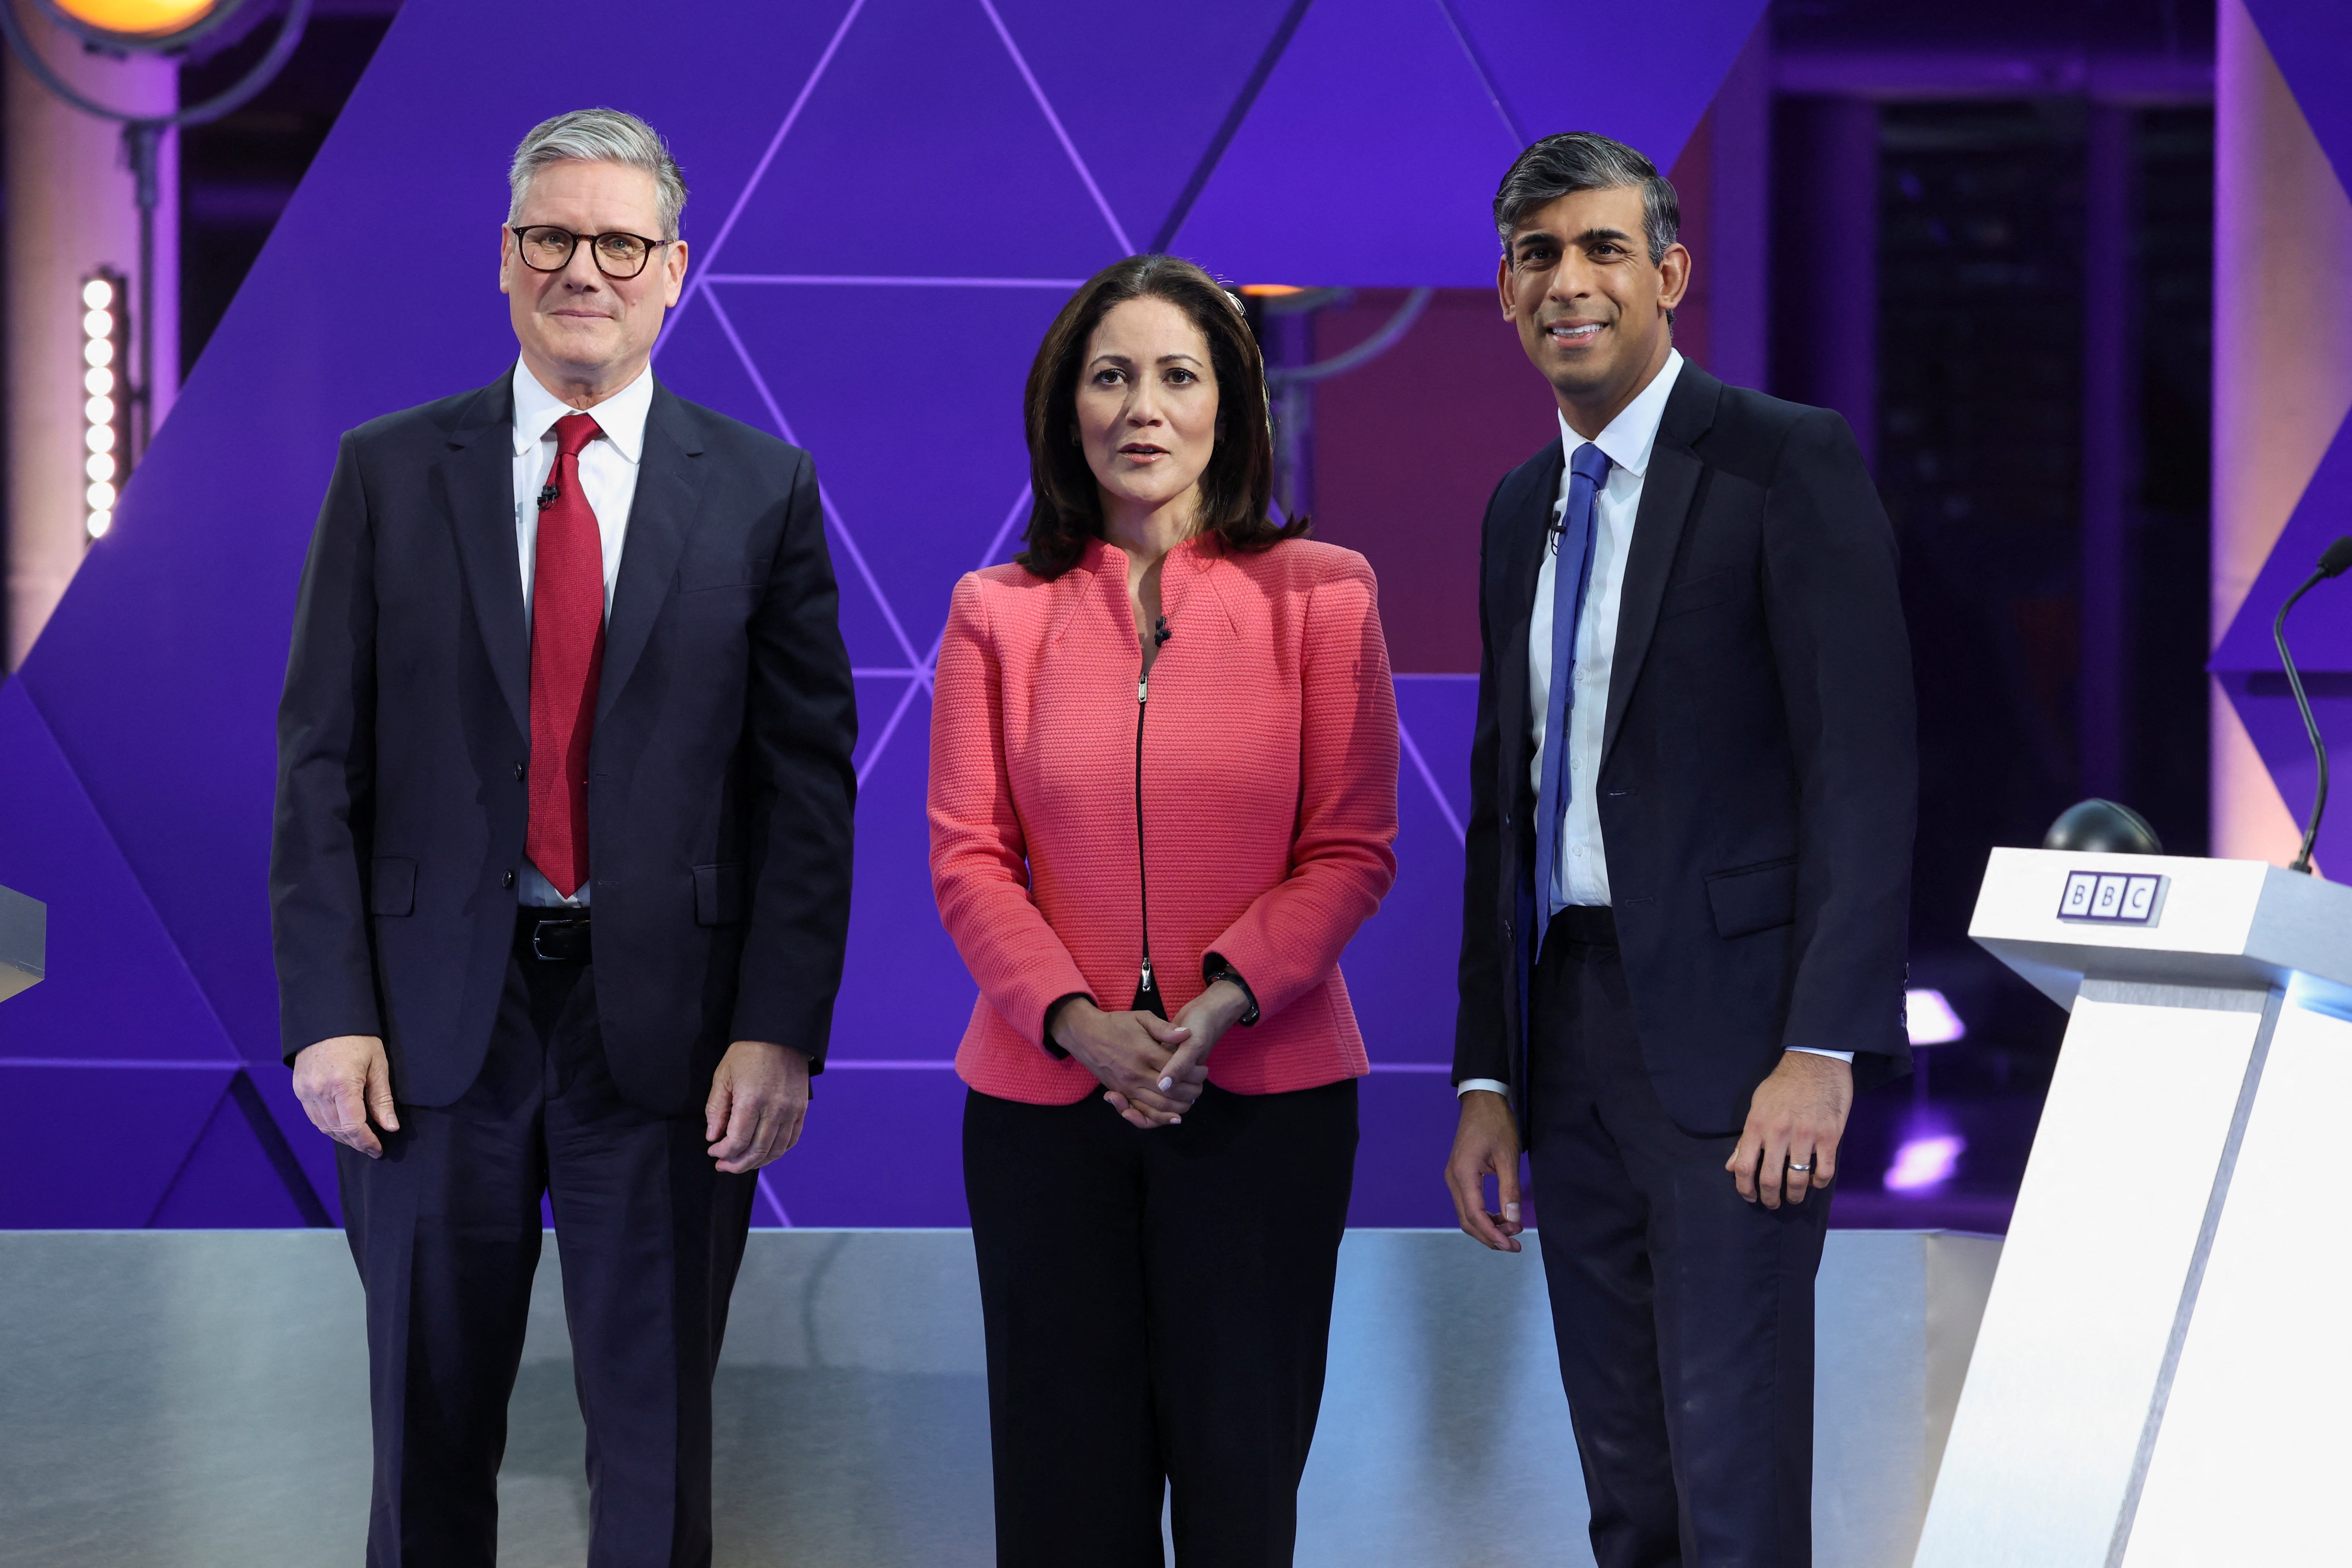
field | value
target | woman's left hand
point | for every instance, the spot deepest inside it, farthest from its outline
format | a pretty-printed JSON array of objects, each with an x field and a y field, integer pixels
[{"x": 1208, "y": 1015}]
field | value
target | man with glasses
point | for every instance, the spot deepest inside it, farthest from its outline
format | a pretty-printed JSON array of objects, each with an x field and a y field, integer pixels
[{"x": 559, "y": 875}]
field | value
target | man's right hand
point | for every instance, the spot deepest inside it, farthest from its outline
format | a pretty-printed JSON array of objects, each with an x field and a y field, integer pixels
[
  {"x": 1486, "y": 1140},
  {"x": 1128, "y": 1053},
  {"x": 341, "y": 1083}
]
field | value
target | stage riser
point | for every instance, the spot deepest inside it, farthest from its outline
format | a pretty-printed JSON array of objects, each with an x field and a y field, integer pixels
[{"x": 198, "y": 1398}]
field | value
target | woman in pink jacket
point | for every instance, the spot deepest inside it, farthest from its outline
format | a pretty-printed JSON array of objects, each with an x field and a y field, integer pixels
[{"x": 1163, "y": 799}]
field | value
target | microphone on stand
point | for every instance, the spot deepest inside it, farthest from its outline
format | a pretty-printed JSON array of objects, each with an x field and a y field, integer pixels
[{"x": 2334, "y": 561}]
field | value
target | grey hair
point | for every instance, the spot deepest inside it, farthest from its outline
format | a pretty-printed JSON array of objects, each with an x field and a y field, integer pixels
[
  {"x": 1581, "y": 161},
  {"x": 599, "y": 136}
]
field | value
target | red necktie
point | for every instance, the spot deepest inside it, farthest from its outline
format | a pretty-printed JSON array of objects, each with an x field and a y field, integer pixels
[{"x": 567, "y": 650}]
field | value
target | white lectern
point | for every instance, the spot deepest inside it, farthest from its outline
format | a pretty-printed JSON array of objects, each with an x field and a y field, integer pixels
[{"x": 2164, "y": 1374}]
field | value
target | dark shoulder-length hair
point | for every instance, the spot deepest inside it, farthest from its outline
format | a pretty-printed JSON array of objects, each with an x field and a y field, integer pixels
[{"x": 1238, "y": 487}]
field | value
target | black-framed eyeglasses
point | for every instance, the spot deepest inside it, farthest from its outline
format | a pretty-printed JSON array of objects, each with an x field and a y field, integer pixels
[{"x": 618, "y": 255}]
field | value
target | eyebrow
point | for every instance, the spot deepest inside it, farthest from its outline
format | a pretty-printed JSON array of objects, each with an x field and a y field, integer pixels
[
  {"x": 1163, "y": 359},
  {"x": 1589, "y": 236}
]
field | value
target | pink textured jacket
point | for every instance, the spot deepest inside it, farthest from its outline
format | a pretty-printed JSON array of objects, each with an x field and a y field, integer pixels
[{"x": 1266, "y": 789}]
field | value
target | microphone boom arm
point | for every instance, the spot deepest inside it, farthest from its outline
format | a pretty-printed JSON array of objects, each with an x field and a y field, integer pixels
[{"x": 2333, "y": 562}]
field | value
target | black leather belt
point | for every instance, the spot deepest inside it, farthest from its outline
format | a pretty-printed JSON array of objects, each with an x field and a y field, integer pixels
[
  {"x": 1588, "y": 925},
  {"x": 551, "y": 936}
]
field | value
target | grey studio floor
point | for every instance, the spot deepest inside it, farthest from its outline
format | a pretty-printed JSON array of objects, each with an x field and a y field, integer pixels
[{"x": 196, "y": 1399}]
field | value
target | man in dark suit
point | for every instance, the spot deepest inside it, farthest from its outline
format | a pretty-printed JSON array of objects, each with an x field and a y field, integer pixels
[
  {"x": 1688, "y": 872},
  {"x": 560, "y": 870}
]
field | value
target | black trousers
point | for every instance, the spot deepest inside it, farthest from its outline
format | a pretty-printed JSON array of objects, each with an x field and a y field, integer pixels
[
  {"x": 446, "y": 1231},
  {"x": 1158, "y": 1305},
  {"x": 1684, "y": 1314}
]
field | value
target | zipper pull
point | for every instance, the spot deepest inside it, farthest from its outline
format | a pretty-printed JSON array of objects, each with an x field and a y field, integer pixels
[
  {"x": 1143, "y": 690},
  {"x": 1147, "y": 972}
]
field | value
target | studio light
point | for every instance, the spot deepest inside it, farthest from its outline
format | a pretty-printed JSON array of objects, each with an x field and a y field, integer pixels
[
  {"x": 145, "y": 24},
  {"x": 105, "y": 411},
  {"x": 1923, "y": 1164},
  {"x": 1931, "y": 1020},
  {"x": 118, "y": 27}
]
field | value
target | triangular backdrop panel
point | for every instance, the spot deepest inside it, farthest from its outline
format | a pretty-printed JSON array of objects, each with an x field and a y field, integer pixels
[
  {"x": 1182, "y": 85},
  {"x": 2319, "y": 633},
  {"x": 2312, "y": 41},
  {"x": 966, "y": 159},
  {"x": 1379, "y": 146},
  {"x": 1372, "y": 154},
  {"x": 1555, "y": 67},
  {"x": 229, "y": 1181}
]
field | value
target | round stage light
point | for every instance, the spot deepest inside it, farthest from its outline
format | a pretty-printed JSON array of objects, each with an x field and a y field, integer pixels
[
  {"x": 149, "y": 22},
  {"x": 98, "y": 294},
  {"x": 100, "y": 497},
  {"x": 98, "y": 382},
  {"x": 98, "y": 351},
  {"x": 101, "y": 466},
  {"x": 97, "y": 522}
]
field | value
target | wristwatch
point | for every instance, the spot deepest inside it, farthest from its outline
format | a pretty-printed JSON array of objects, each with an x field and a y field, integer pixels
[{"x": 1213, "y": 969}]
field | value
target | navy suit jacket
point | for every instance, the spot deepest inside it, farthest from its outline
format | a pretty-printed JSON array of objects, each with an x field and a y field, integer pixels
[
  {"x": 720, "y": 787},
  {"x": 1757, "y": 779}
]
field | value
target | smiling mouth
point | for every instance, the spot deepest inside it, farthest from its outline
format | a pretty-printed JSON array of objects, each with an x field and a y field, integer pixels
[{"x": 1575, "y": 336}]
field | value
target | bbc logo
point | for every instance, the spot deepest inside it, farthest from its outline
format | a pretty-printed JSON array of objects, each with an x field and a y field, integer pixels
[{"x": 2108, "y": 896}]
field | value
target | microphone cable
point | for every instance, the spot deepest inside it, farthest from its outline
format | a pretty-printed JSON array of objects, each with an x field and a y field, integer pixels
[{"x": 2333, "y": 563}]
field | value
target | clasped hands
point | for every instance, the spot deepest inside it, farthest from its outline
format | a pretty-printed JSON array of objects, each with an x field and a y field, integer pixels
[
  {"x": 759, "y": 1098},
  {"x": 1151, "y": 1068},
  {"x": 1795, "y": 1118}
]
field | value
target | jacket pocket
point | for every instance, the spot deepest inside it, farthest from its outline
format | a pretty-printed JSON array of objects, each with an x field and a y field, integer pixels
[
  {"x": 392, "y": 886},
  {"x": 704, "y": 576},
  {"x": 718, "y": 894},
  {"x": 1753, "y": 898},
  {"x": 1698, "y": 593}
]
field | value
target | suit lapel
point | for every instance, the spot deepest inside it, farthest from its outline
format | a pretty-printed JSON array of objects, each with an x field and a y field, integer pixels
[
  {"x": 1668, "y": 488},
  {"x": 1522, "y": 567},
  {"x": 669, "y": 490},
  {"x": 474, "y": 487}
]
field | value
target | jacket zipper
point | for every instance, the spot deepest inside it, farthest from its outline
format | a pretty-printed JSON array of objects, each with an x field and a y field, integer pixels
[{"x": 1147, "y": 992}]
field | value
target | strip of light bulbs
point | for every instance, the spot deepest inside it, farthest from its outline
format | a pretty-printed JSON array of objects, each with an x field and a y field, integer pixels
[{"x": 101, "y": 424}]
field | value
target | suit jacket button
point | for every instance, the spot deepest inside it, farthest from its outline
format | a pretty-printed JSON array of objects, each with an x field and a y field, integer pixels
[
  {"x": 507, "y": 881},
  {"x": 520, "y": 770}
]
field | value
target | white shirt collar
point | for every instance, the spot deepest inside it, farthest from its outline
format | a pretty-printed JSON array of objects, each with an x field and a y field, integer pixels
[
  {"x": 1627, "y": 440},
  {"x": 620, "y": 417}
]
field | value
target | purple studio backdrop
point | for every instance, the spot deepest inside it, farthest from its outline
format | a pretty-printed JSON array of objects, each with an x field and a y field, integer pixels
[{"x": 891, "y": 199}]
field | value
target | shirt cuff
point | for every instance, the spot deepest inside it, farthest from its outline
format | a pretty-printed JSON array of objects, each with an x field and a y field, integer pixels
[
  {"x": 1491, "y": 1086},
  {"x": 1846, "y": 1057}
]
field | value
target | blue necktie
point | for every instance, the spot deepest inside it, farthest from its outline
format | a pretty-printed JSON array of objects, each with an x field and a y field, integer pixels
[{"x": 1571, "y": 575}]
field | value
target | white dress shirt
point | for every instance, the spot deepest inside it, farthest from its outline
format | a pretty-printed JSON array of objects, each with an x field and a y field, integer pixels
[
  {"x": 1581, "y": 873},
  {"x": 608, "y": 477}
]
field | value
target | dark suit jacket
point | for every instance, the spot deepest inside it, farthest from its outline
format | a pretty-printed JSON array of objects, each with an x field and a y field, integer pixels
[
  {"x": 1757, "y": 776},
  {"x": 720, "y": 790}
]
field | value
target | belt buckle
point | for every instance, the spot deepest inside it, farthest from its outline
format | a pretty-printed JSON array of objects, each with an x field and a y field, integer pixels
[{"x": 539, "y": 939}]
